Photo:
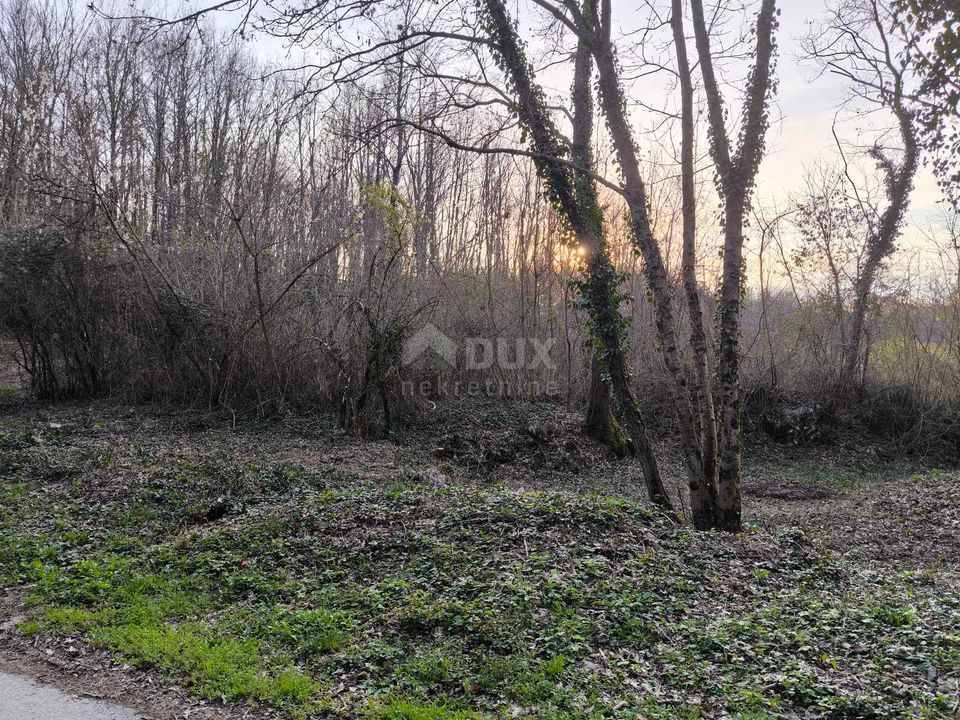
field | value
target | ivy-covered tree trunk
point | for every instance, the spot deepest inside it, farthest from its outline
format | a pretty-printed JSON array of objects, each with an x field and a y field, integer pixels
[
  {"x": 613, "y": 104},
  {"x": 703, "y": 495},
  {"x": 597, "y": 421},
  {"x": 373, "y": 413},
  {"x": 598, "y": 290},
  {"x": 574, "y": 195},
  {"x": 729, "y": 501},
  {"x": 736, "y": 174},
  {"x": 881, "y": 243}
]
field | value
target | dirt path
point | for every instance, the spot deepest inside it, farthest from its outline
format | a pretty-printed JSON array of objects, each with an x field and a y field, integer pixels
[
  {"x": 25, "y": 699},
  {"x": 66, "y": 669}
]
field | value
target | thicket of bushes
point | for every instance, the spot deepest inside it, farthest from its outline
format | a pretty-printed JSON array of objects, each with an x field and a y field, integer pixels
[
  {"x": 174, "y": 228},
  {"x": 89, "y": 321}
]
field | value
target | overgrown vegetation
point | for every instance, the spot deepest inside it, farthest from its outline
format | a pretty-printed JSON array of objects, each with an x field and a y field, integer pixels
[
  {"x": 408, "y": 252},
  {"x": 411, "y": 592},
  {"x": 237, "y": 243}
]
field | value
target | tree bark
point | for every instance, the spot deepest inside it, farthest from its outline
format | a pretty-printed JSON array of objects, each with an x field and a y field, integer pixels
[
  {"x": 613, "y": 104},
  {"x": 703, "y": 494},
  {"x": 575, "y": 197},
  {"x": 736, "y": 178},
  {"x": 597, "y": 421}
]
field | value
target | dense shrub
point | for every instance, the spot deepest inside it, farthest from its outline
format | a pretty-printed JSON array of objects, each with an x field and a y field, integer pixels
[{"x": 61, "y": 303}]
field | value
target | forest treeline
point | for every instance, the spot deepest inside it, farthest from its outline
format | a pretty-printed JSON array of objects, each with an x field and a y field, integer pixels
[{"x": 182, "y": 222}]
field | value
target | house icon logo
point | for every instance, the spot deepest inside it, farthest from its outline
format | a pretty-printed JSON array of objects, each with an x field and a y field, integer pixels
[{"x": 429, "y": 338}]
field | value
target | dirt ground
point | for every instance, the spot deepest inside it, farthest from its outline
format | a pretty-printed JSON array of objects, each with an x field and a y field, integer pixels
[{"x": 851, "y": 500}]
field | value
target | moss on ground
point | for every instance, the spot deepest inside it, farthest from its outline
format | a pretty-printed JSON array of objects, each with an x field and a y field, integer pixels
[{"x": 412, "y": 597}]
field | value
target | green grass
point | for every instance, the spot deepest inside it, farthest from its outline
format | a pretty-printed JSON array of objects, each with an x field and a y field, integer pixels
[
  {"x": 407, "y": 710},
  {"x": 814, "y": 474},
  {"x": 402, "y": 600}
]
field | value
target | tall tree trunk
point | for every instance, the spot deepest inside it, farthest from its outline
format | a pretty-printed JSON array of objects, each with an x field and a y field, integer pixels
[
  {"x": 737, "y": 175},
  {"x": 613, "y": 104},
  {"x": 703, "y": 494},
  {"x": 574, "y": 195},
  {"x": 599, "y": 422},
  {"x": 729, "y": 501}
]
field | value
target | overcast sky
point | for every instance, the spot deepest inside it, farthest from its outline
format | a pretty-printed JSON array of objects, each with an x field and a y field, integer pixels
[
  {"x": 808, "y": 105},
  {"x": 805, "y": 107}
]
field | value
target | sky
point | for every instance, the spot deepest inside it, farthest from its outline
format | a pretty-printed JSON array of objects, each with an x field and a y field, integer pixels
[{"x": 805, "y": 107}]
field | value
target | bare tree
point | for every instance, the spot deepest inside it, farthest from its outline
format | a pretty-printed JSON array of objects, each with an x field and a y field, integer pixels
[
  {"x": 576, "y": 198},
  {"x": 703, "y": 494},
  {"x": 856, "y": 42}
]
